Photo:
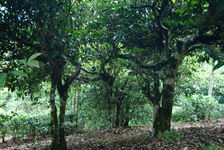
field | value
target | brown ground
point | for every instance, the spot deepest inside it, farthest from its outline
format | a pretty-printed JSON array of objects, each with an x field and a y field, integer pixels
[{"x": 186, "y": 136}]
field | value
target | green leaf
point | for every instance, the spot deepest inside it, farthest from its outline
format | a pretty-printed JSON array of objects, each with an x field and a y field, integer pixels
[
  {"x": 173, "y": 1},
  {"x": 3, "y": 77},
  {"x": 33, "y": 63},
  {"x": 33, "y": 57},
  {"x": 23, "y": 61},
  {"x": 221, "y": 100},
  {"x": 19, "y": 73}
]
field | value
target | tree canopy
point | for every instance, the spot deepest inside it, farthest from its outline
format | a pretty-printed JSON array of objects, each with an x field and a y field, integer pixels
[{"x": 116, "y": 46}]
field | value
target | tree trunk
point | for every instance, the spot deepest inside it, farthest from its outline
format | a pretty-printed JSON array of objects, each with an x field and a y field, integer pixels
[
  {"x": 113, "y": 113},
  {"x": 162, "y": 114},
  {"x": 63, "y": 99},
  {"x": 211, "y": 83},
  {"x": 124, "y": 114},
  {"x": 118, "y": 115},
  {"x": 3, "y": 139},
  {"x": 76, "y": 105},
  {"x": 54, "y": 119},
  {"x": 210, "y": 89},
  {"x": 113, "y": 106}
]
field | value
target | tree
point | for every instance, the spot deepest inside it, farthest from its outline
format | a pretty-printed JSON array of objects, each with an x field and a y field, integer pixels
[
  {"x": 157, "y": 35},
  {"x": 102, "y": 65},
  {"x": 47, "y": 27},
  {"x": 213, "y": 54}
]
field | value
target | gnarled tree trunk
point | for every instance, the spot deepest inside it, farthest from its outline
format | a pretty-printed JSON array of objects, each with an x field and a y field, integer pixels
[
  {"x": 113, "y": 106},
  {"x": 54, "y": 119},
  {"x": 162, "y": 113},
  {"x": 63, "y": 99}
]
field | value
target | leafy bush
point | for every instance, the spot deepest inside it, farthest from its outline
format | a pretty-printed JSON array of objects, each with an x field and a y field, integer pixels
[
  {"x": 25, "y": 125},
  {"x": 22, "y": 126},
  {"x": 194, "y": 108},
  {"x": 4, "y": 118}
]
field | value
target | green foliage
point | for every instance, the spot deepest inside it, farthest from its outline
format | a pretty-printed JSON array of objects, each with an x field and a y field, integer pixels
[
  {"x": 4, "y": 118},
  {"x": 143, "y": 137},
  {"x": 19, "y": 73},
  {"x": 58, "y": 36},
  {"x": 211, "y": 147},
  {"x": 193, "y": 108},
  {"x": 23, "y": 125},
  {"x": 101, "y": 141},
  {"x": 191, "y": 100},
  {"x": 3, "y": 77},
  {"x": 32, "y": 57},
  {"x": 94, "y": 108},
  {"x": 221, "y": 100},
  {"x": 172, "y": 136}
]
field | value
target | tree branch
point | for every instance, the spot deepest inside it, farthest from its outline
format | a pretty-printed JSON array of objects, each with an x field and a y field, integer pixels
[
  {"x": 193, "y": 43},
  {"x": 155, "y": 66},
  {"x": 74, "y": 75},
  {"x": 143, "y": 6},
  {"x": 191, "y": 49},
  {"x": 86, "y": 79},
  {"x": 94, "y": 73}
]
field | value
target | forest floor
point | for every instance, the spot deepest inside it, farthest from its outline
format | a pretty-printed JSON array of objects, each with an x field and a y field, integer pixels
[{"x": 184, "y": 136}]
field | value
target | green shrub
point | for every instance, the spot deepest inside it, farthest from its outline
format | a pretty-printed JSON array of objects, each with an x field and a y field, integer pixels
[
  {"x": 195, "y": 107},
  {"x": 24, "y": 125},
  {"x": 4, "y": 118}
]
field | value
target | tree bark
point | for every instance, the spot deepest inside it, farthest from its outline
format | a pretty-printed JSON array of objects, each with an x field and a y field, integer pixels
[
  {"x": 126, "y": 116},
  {"x": 118, "y": 115},
  {"x": 162, "y": 114},
  {"x": 63, "y": 99},
  {"x": 76, "y": 105},
  {"x": 54, "y": 119},
  {"x": 63, "y": 94},
  {"x": 113, "y": 106},
  {"x": 113, "y": 113},
  {"x": 210, "y": 89},
  {"x": 122, "y": 113},
  {"x": 211, "y": 83}
]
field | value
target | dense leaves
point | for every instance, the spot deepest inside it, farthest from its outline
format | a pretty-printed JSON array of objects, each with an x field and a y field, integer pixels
[{"x": 127, "y": 57}]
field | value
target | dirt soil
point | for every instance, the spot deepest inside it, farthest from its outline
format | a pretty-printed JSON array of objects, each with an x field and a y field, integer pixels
[{"x": 185, "y": 136}]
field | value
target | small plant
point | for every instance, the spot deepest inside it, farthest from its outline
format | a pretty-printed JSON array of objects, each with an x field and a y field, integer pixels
[
  {"x": 37, "y": 146},
  {"x": 143, "y": 136},
  {"x": 3, "y": 126},
  {"x": 171, "y": 136},
  {"x": 100, "y": 141},
  {"x": 211, "y": 147},
  {"x": 76, "y": 139},
  {"x": 36, "y": 138}
]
